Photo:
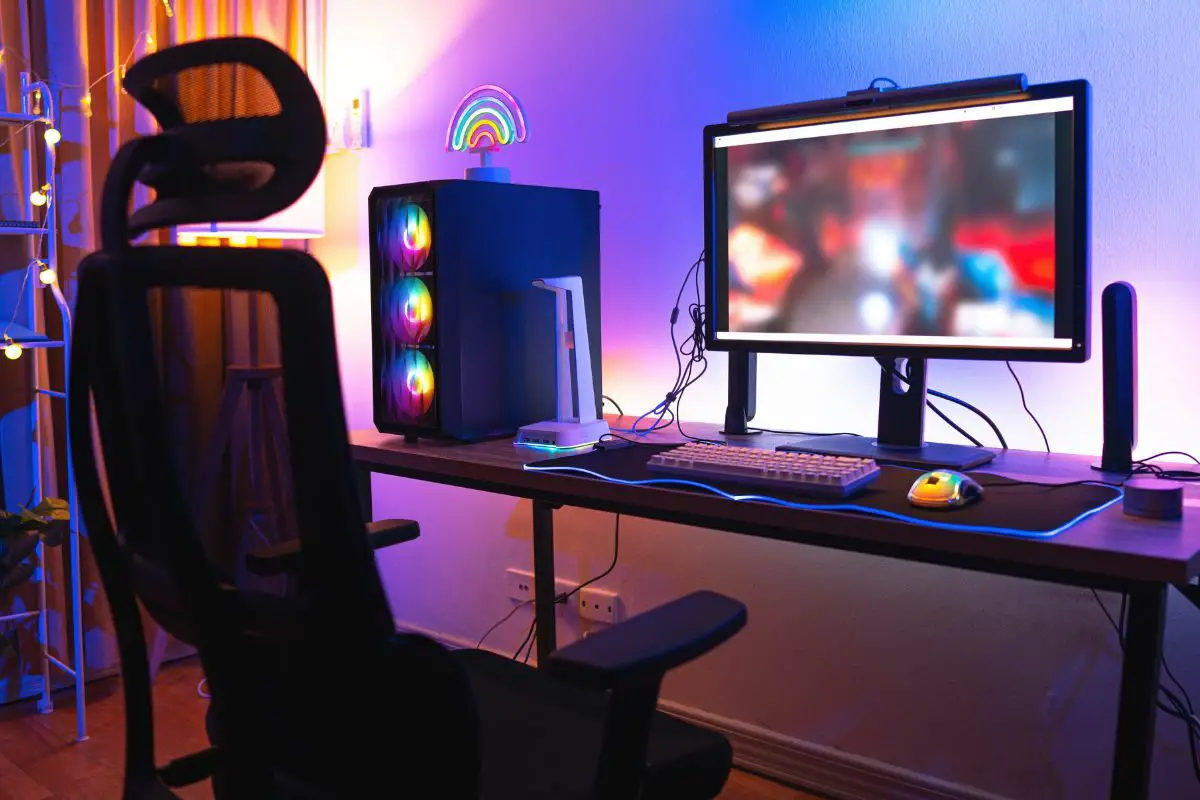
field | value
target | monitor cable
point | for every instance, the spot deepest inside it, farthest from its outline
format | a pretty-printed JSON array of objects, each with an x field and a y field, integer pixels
[
  {"x": 1025, "y": 405},
  {"x": 691, "y": 360},
  {"x": 952, "y": 399}
]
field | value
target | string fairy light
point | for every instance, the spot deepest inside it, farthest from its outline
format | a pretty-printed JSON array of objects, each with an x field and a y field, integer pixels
[
  {"x": 46, "y": 275},
  {"x": 12, "y": 350},
  {"x": 40, "y": 197}
]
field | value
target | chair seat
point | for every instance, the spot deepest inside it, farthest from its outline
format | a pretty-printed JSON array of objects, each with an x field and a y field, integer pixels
[{"x": 541, "y": 739}]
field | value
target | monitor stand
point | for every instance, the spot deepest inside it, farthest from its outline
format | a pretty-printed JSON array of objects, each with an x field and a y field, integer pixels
[{"x": 901, "y": 439}]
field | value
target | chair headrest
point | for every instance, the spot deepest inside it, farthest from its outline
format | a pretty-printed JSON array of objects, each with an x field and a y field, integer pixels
[{"x": 243, "y": 133}]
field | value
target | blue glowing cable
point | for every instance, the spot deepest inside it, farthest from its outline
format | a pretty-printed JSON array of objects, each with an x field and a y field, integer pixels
[{"x": 850, "y": 507}]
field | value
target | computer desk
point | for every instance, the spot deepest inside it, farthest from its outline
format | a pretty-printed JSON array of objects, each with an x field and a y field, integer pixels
[{"x": 1107, "y": 551}]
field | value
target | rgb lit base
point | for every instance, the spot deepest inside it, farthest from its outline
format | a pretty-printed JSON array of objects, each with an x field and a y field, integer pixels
[{"x": 562, "y": 435}]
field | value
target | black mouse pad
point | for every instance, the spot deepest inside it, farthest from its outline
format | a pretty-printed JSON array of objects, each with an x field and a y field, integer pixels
[{"x": 1008, "y": 507}]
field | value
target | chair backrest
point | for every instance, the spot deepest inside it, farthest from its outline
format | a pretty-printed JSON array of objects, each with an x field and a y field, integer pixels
[{"x": 277, "y": 667}]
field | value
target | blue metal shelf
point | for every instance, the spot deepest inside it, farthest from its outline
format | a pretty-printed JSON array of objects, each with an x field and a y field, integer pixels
[{"x": 27, "y": 338}]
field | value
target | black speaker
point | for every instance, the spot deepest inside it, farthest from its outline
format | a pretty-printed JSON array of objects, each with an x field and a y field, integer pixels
[
  {"x": 463, "y": 344},
  {"x": 1118, "y": 320}
]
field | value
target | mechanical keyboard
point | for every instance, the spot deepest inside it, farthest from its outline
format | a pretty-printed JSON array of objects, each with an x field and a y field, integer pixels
[{"x": 798, "y": 473}]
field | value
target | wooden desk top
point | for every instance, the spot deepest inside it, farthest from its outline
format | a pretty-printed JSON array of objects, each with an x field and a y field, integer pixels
[{"x": 1108, "y": 550}]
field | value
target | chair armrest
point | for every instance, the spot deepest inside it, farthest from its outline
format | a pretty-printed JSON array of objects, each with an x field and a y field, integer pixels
[
  {"x": 642, "y": 649},
  {"x": 630, "y": 659},
  {"x": 284, "y": 558}
]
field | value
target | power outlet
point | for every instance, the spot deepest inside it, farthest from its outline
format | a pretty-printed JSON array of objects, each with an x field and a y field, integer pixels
[
  {"x": 520, "y": 584},
  {"x": 599, "y": 605}
]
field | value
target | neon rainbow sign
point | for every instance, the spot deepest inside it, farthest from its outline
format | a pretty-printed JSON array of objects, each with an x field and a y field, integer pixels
[{"x": 486, "y": 119}]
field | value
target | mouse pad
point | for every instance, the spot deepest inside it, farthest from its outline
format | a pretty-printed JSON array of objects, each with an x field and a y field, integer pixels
[{"x": 1008, "y": 507}]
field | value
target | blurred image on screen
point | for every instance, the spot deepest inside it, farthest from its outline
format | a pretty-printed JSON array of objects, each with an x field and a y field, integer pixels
[{"x": 942, "y": 230}]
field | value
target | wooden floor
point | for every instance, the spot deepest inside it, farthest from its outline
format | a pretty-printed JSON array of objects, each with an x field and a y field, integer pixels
[{"x": 39, "y": 759}]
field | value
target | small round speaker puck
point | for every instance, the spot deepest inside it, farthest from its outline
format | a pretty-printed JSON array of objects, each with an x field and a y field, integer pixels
[{"x": 1153, "y": 498}]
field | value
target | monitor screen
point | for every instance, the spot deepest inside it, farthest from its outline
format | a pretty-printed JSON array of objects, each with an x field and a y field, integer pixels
[{"x": 952, "y": 232}]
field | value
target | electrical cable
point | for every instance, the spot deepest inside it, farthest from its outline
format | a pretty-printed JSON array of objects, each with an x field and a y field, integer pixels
[
  {"x": 1180, "y": 709},
  {"x": 612, "y": 565},
  {"x": 689, "y": 353},
  {"x": 1025, "y": 405},
  {"x": 882, "y": 79},
  {"x": 974, "y": 410},
  {"x": 505, "y": 619},
  {"x": 929, "y": 404},
  {"x": 951, "y": 399},
  {"x": 658, "y": 425},
  {"x": 527, "y": 640},
  {"x": 1167, "y": 453},
  {"x": 613, "y": 403},
  {"x": 1181, "y": 475},
  {"x": 531, "y": 635},
  {"x": 800, "y": 433}
]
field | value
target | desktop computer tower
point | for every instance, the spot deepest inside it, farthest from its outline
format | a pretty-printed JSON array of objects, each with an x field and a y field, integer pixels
[{"x": 463, "y": 343}]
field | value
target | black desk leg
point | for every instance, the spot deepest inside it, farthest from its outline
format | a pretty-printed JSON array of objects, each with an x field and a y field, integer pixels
[
  {"x": 1139, "y": 693},
  {"x": 543, "y": 581},
  {"x": 365, "y": 502}
]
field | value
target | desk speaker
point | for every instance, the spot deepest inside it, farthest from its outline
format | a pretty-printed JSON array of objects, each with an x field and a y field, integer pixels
[
  {"x": 1118, "y": 320},
  {"x": 463, "y": 344}
]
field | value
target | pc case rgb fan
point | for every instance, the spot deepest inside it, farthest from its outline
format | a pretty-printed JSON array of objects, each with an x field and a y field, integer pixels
[
  {"x": 410, "y": 310},
  {"x": 406, "y": 236},
  {"x": 410, "y": 385}
]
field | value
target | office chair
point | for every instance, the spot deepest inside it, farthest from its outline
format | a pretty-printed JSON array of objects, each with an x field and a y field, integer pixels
[{"x": 316, "y": 694}]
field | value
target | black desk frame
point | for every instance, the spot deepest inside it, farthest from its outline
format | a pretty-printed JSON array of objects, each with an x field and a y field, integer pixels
[{"x": 1142, "y": 654}]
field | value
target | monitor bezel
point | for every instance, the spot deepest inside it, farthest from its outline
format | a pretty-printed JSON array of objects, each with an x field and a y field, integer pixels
[{"x": 1080, "y": 350}]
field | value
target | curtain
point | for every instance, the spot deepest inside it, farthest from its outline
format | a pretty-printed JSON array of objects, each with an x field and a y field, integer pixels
[
  {"x": 20, "y": 173},
  {"x": 83, "y": 48}
]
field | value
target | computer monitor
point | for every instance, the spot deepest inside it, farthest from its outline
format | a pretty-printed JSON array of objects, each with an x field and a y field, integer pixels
[{"x": 950, "y": 229}]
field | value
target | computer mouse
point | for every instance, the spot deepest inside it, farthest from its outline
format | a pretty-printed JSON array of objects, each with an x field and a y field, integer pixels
[{"x": 944, "y": 488}]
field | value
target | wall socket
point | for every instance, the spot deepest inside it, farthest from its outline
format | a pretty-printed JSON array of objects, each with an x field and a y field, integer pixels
[
  {"x": 520, "y": 584},
  {"x": 599, "y": 605}
]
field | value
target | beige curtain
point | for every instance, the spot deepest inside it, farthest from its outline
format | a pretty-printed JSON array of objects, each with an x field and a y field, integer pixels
[{"x": 82, "y": 47}]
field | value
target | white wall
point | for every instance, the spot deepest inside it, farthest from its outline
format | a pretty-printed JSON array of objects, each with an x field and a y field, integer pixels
[{"x": 997, "y": 683}]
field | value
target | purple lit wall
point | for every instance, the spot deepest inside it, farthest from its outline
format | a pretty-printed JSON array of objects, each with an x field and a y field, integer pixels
[{"x": 1003, "y": 685}]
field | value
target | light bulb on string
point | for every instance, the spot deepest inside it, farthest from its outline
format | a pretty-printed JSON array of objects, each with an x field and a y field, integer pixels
[
  {"x": 12, "y": 350},
  {"x": 39, "y": 197},
  {"x": 47, "y": 276},
  {"x": 52, "y": 136}
]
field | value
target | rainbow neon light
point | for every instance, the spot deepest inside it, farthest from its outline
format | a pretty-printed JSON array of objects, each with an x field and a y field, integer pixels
[
  {"x": 407, "y": 236},
  {"x": 411, "y": 384},
  {"x": 411, "y": 310},
  {"x": 486, "y": 119}
]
